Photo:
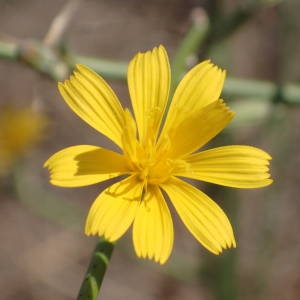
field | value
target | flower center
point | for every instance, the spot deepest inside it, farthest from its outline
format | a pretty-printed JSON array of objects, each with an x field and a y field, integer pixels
[
  {"x": 151, "y": 166},
  {"x": 148, "y": 161},
  {"x": 154, "y": 172}
]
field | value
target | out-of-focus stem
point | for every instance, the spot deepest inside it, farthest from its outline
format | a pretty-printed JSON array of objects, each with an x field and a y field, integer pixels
[
  {"x": 61, "y": 22},
  {"x": 9, "y": 50},
  {"x": 264, "y": 90},
  {"x": 109, "y": 69},
  {"x": 45, "y": 60},
  {"x": 189, "y": 45}
]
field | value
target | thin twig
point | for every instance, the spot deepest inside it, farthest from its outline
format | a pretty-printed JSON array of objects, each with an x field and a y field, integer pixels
[{"x": 61, "y": 23}]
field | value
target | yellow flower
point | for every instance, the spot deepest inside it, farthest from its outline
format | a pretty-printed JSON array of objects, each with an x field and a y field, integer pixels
[
  {"x": 155, "y": 153},
  {"x": 20, "y": 130}
]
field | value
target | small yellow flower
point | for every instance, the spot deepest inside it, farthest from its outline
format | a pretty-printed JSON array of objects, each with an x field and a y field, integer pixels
[
  {"x": 154, "y": 155},
  {"x": 20, "y": 130}
]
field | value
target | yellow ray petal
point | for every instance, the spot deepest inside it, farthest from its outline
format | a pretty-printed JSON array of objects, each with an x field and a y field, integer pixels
[
  {"x": 234, "y": 166},
  {"x": 149, "y": 83},
  {"x": 202, "y": 216},
  {"x": 199, "y": 128},
  {"x": 84, "y": 165},
  {"x": 153, "y": 228},
  {"x": 114, "y": 210},
  {"x": 130, "y": 143},
  {"x": 92, "y": 99},
  {"x": 201, "y": 86}
]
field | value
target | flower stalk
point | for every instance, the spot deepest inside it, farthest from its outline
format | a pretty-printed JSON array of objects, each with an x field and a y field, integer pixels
[{"x": 92, "y": 281}]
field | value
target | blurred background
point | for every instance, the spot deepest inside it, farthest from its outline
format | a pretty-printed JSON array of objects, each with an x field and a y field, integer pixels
[{"x": 43, "y": 251}]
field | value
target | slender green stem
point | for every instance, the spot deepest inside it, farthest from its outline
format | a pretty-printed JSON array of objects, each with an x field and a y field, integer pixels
[
  {"x": 55, "y": 64},
  {"x": 91, "y": 284},
  {"x": 9, "y": 50},
  {"x": 189, "y": 45},
  {"x": 264, "y": 90},
  {"x": 46, "y": 61},
  {"x": 111, "y": 69}
]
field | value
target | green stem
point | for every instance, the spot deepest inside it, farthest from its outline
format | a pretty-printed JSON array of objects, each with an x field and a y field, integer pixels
[
  {"x": 189, "y": 45},
  {"x": 110, "y": 69},
  {"x": 43, "y": 60},
  {"x": 91, "y": 284},
  {"x": 9, "y": 50},
  {"x": 264, "y": 90}
]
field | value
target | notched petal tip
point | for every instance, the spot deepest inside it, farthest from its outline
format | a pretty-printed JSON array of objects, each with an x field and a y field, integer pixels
[
  {"x": 268, "y": 181},
  {"x": 162, "y": 49},
  {"x": 225, "y": 108},
  {"x": 267, "y": 156},
  {"x": 46, "y": 164},
  {"x": 224, "y": 72},
  {"x": 82, "y": 68},
  {"x": 214, "y": 67},
  {"x": 159, "y": 260},
  {"x": 159, "y": 48},
  {"x": 61, "y": 86},
  {"x": 229, "y": 245},
  {"x": 109, "y": 238},
  {"x": 232, "y": 243}
]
